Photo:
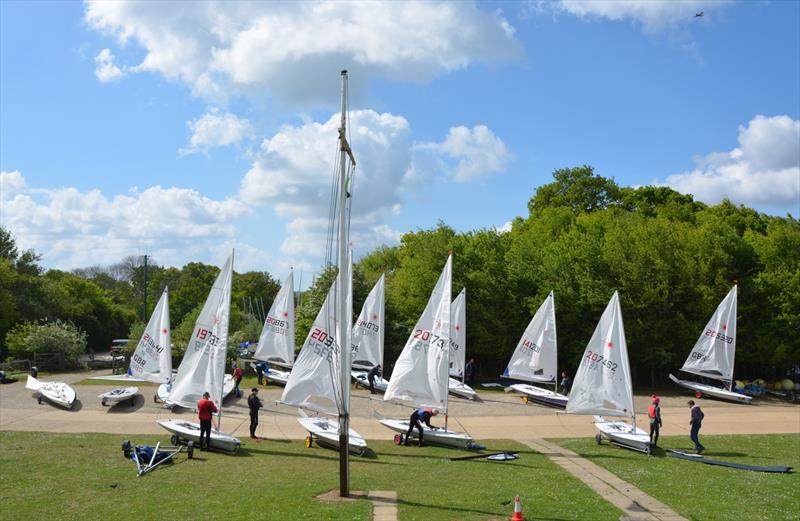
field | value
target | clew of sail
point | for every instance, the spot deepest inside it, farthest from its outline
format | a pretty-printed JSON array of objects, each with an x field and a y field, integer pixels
[
  {"x": 203, "y": 366},
  {"x": 536, "y": 355},
  {"x": 602, "y": 383},
  {"x": 713, "y": 354},
  {"x": 367, "y": 346},
  {"x": 420, "y": 375},
  {"x": 458, "y": 334},
  {"x": 152, "y": 360},
  {"x": 276, "y": 343}
]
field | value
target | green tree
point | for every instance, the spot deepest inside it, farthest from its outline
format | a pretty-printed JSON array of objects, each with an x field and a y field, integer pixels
[
  {"x": 28, "y": 338},
  {"x": 578, "y": 189}
]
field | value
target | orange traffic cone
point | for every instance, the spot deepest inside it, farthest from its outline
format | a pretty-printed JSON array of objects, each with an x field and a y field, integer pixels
[{"x": 517, "y": 510}]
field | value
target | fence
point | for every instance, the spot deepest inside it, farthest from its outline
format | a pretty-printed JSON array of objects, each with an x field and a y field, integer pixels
[{"x": 49, "y": 361}]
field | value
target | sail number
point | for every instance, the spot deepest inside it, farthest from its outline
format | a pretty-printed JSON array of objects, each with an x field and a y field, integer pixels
[
  {"x": 325, "y": 345},
  {"x": 139, "y": 361},
  {"x": 430, "y": 338},
  {"x": 719, "y": 336},
  {"x": 205, "y": 338},
  {"x": 602, "y": 361},
  {"x": 527, "y": 344},
  {"x": 700, "y": 357},
  {"x": 151, "y": 344},
  {"x": 367, "y": 325}
]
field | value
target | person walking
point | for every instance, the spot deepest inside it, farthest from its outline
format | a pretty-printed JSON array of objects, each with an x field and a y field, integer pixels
[
  {"x": 418, "y": 417},
  {"x": 254, "y": 403},
  {"x": 375, "y": 371},
  {"x": 469, "y": 372},
  {"x": 205, "y": 408},
  {"x": 654, "y": 413},
  {"x": 238, "y": 373},
  {"x": 260, "y": 372},
  {"x": 696, "y": 422},
  {"x": 566, "y": 382}
]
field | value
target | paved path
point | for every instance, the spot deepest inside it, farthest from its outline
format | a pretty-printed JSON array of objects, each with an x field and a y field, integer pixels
[
  {"x": 636, "y": 504},
  {"x": 384, "y": 505}
]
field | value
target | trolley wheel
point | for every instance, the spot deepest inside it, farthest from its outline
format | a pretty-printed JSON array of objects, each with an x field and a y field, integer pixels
[
  {"x": 103, "y": 403},
  {"x": 698, "y": 394},
  {"x": 598, "y": 438},
  {"x": 126, "y": 448},
  {"x": 398, "y": 439},
  {"x": 791, "y": 397},
  {"x": 39, "y": 399},
  {"x": 190, "y": 449},
  {"x": 155, "y": 398},
  {"x": 524, "y": 399},
  {"x": 309, "y": 441},
  {"x": 174, "y": 439}
]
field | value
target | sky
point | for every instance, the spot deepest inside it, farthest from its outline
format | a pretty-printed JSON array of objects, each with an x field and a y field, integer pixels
[{"x": 184, "y": 129}]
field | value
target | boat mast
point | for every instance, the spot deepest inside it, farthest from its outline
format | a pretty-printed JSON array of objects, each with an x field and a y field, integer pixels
[
  {"x": 447, "y": 382},
  {"x": 224, "y": 354}
]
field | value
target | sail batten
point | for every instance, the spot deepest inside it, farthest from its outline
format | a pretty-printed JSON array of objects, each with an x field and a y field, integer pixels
[{"x": 714, "y": 352}]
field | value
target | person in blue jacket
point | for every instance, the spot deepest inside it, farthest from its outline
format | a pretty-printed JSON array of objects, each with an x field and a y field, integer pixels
[
  {"x": 696, "y": 422},
  {"x": 418, "y": 417}
]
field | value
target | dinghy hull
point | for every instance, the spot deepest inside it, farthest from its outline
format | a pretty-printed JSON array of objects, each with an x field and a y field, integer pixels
[
  {"x": 190, "y": 431},
  {"x": 623, "y": 434},
  {"x": 446, "y": 438},
  {"x": 542, "y": 396},
  {"x": 461, "y": 389},
  {"x": 57, "y": 393},
  {"x": 713, "y": 392},
  {"x": 326, "y": 433},
  {"x": 360, "y": 378},
  {"x": 120, "y": 394}
]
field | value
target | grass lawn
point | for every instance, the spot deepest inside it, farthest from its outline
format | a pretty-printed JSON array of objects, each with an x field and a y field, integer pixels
[
  {"x": 84, "y": 476},
  {"x": 704, "y": 492}
]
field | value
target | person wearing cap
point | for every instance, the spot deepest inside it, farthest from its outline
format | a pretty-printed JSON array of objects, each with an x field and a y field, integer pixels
[
  {"x": 654, "y": 413},
  {"x": 419, "y": 416},
  {"x": 696, "y": 422},
  {"x": 254, "y": 403},
  {"x": 371, "y": 375},
  {"x": 205, "y": 407}
]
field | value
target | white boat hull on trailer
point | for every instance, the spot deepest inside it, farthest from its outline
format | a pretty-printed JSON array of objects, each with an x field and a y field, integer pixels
[
  {"x": 183, "y": 430},
  {"x": 326, "y": 432},
  {"x": 162, "y": 393},
  {"x": 702, "y": 390},
  {"x": 118, "y": 378},
  {"x": 120, "y": 394},
  {"x": 540, "y": 395},
  {"x": 461, "y": 389},
  {"x": 623, "y": 434},
  {"x": 360, "y": 378},
  {"x": 57, "y": 392},
  {"x": 446, "y": 438},
  {"x": 275, "y": 376},
  {"x": 227, "y": 388}
]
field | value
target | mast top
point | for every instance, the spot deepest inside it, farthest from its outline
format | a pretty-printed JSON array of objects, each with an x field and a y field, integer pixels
[{"x": 344, "y": 72}]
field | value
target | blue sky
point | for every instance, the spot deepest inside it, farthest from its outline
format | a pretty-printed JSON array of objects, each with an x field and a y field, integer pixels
[{"x": 183, "y": 129}]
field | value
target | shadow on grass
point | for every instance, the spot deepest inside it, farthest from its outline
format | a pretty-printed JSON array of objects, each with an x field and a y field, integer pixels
[{"x": 332, "y": 457}]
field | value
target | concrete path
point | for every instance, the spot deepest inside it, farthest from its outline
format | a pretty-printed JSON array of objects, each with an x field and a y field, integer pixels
[
  {"x": 384, "y": 505},
  {"x": 636, "y": 504}
]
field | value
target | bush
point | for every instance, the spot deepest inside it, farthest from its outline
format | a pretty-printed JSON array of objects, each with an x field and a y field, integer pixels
[{"x": 27, "y": 338}]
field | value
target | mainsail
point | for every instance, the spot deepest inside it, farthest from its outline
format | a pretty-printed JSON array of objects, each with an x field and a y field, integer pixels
[
  {"x": 713, "y": 354},
  {"x": 536, "y": 355},
  {"x": 603, "y": 382},
  {"x": 458, "y": 334},
  {"x": 152, "y": 359},
  {"x": 420, "y": 375},
  {"x": 203, "y": 366},
  {"x": 276, "y": 343},
  {"x": 368, "y": 330}
]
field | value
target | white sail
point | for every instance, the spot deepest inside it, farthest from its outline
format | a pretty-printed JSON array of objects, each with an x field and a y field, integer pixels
[
  {"x": 203, "y": 366},
  {"x": 536, "y": 355},
  {"x": 458, "y": 334},
  {"x": 152, "y": 360},
  {"x": 367, "y": 346},
  {"x": 420, "y": 375},
  {"x": 602, "y": 383},
  {"x": 713, "y": 354},
  {"x": 315, "y": 379},
  {"x": 276, "y": 343}
]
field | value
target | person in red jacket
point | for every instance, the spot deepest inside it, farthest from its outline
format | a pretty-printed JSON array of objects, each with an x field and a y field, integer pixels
[
  {"x": 237, "y": 379},
  {"x": 205, "y": 407}
]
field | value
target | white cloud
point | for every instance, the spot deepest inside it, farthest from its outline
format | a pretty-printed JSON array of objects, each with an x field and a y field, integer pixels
[
  {"x": 764, "y": 171},
  {"x": 654, "y": 15},
  {"x": 477, "y": 152},
  {"x": 11, "y": 182},
  {"x": 77, "y": 229},
  {"x": 105, "y": 70},
  {"x": 216, "y": 129},
  {"x": 507, "y": 226},
  {"x": 295, "y": 49}
]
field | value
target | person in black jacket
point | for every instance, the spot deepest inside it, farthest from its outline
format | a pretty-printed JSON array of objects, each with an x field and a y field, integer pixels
[
  {"x": 418, "y": 417},
  {"x": 696, "y": 421},
  {"x": 469, "y": 372},
  {"x": 254, "y": 403},
  {"x": 375, "y": 371}
]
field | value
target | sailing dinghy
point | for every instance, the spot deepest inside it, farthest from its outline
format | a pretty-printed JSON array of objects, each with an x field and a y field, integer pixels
[
  {"x": 203, "y": 366},
  {"x": 458, "y": 343},
  {"x": 603, "y": 383},
  {"x": 367, "y": 350},
  {"x": 536, "y": 357},
  {"x": 57, "y": 392},
  {"x": 713, "y": 354},
  {"x": 421, "y": 373},
  {"x": 120, "y": 394},
  {"x": 276, "y": 343}
]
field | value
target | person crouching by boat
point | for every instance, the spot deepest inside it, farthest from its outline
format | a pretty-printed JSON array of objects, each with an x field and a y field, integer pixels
[
  {"x": 654, "y": 413},
  {"x": 375, "y": 371},
  {"x": 254, "y": 403},
  {"x": 696, "y": 422},
  {"x": 205, "y": 407},
  {"x": 419, "y": 416}
]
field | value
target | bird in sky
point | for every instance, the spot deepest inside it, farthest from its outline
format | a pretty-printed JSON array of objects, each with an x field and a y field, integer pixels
[{"x": 700, "y": 14}]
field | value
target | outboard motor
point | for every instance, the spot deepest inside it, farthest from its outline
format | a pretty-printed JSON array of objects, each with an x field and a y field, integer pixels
[{"x": 34, "y": 371}]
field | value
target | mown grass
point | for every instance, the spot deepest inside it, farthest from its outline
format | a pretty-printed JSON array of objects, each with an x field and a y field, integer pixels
[
  {"x": 710, "y": 493},
  {"x": 84, "y": 476}
]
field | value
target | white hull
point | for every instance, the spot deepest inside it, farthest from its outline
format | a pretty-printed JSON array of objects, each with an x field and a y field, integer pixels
[
  {"x": 543, "y": 396},
  {"x": 119, "y": 394},
  {"x": 326, "y": 432},
  {"x": 118, "y": 378},
  {"x": 57, "y": 392},
  {"x": 710, "y": 390},
  {"x": 360, "y": 378},
  {"x": 447, "y": 438},
  {"x": 227, "y": 389},
  {"x": 274, "y": 375},
  {"x": 463, "y": 390},
  {"x": 163, "y": 392},
  {"x": 623, "y": 434},
  {"x": 280, "y": 362},
  {"x": 186, "y": 430},
  {"x": 227, "y": 385}
]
